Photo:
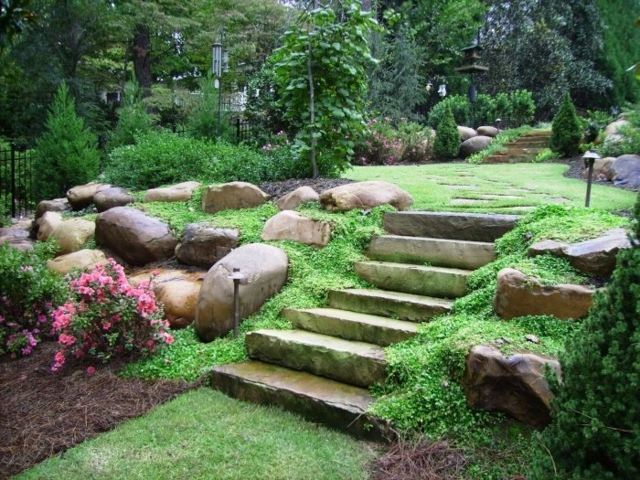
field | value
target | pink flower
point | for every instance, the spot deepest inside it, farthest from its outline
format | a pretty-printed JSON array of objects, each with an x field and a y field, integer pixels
[
  {"x": 91, "y": 370},
  {"x": 168, "y": 339},
  {"x": 58, "y": 361},
  {"x": 67, "y": 340}
]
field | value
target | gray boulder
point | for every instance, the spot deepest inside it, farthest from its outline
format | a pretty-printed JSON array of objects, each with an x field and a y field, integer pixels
[
  {"x": 300, "y": 195},
  {"x": 466, "y": 133},
  {"x": 365, "y": 195},
  {"x": 474, "y": 145},
  {"x": 81, "y": 196},
  {"x": 265, "y": 270},
  {"x": 203, "y": 245},
  {"x": 626, "y": 171},
  {"x": 180, "y": 192},
  {"x": 233, "y": 195},
  {"x": 488, "y": 131},
  {"x": 290, "y": 225},
  {"x": 112, "y": 197}
]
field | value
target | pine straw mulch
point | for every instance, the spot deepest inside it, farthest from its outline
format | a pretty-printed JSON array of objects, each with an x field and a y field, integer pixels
[
  {"x": 42, "y": 414},
  {"x": 279, "y": 189},
  {"x": 422, "y": 460}
]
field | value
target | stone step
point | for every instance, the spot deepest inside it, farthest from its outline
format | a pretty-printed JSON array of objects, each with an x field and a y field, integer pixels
[
  {"x": 417, "y": 279},
  {"x": 439, "y": 252},
  {"x": 348, "y": 325},
  {"x": 356, "y": 363},
  {"x": 477, "y": 227},
  {"x": 405, "y": 306},
  {"x": 315, "y": 398}
]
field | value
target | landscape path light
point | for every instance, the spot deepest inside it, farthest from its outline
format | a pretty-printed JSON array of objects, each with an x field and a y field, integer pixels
[
  {"x": 238, "y": 279},
  {"x": 589, "y": 159}
]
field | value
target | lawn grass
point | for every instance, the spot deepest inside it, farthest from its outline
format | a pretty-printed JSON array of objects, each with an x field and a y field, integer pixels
[
  {"x": 203, "y": 434},
  {"x": 434, "y": 187}
]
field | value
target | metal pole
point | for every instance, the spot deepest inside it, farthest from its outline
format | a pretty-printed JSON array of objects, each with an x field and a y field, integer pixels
[
  {"x": 13, "y": 181},
  {"x": 219, "y": 107},
  {"x": 236, "y": 303},
  {"x": 589, "y": 180}
]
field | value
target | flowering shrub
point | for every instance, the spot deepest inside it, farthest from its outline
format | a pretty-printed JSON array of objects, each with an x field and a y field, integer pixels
[
  {"x": 108, "y": 317},
  {"x": 29, "y": 292},
  {"x": 386, "y": 145}
]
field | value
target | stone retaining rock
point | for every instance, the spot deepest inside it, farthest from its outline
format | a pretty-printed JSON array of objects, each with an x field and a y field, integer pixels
[
  {"x": 365, "y": 195},
  {"x": 626, "y": 171},
  {"x": 265, "y": 269},
  {"x": 290, "y": 225},
  {"x": 136, "y": 237},
  {"x": 518, "y": 295},
  {"x": 294, "y": 199},
  {"x": 466, "y": 133},
  {"x": 81, "y": 196},
  {"x": 81, "y": 260},
  {"x": 203, "y": 245},
  {"x": 112, "y": 197},
  {"x": 180, "y": 192},
  {"x": 488, "y": 131},
  {"x": 514, "y": 385},
  {"x": 474, "y": 145},
  {"x": 233, "y": 195},
  {"x": 46, "y": 224},
  {"x": 601, "y": 169},
  {"x": 55, "y": 205},
  {"x": 614, "y": 127},
  {"x": 72, "y": 234}
]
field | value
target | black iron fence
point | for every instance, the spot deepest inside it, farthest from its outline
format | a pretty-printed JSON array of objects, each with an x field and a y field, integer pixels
[
  {"x": 17, "y": 197},
  {"x": 238, "y": 130}
]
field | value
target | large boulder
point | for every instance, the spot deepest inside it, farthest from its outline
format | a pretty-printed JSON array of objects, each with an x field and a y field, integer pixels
[
  {"x": 290, "y": 225},
  {"x": 81, "y": 260},
  {"x": 518, "y": 295},
  {"x": 81, "y": 196},
  {"x": 514, "y": 385},
  {"x": 176, "y": 290},
  {"x": 466, "y": 133},
  {"x": 365, "y": 195},
  {"x": 300, "y": 195},
  {"x": 203, "y": 245},
  {"x": 180, "y": 192},
  {"x": 488, "y": 131},
  {"x": 595, "y": 257},
  {"x": 474, "y": 145},
  {"x": 112, "y": 197},
  {"x": 55, "y": 205},
  {"x": 265, "y": 270},
  {"x": 136, "y": 237},
  {"x": 626, "y": 171},
  {"x": 614, "y": 127},
  {"x": 72, "y": 234},
  {"x": 602, "y": 170},
  {"x": 233, "y": 195},
  {"x": 46, "y": 224}
]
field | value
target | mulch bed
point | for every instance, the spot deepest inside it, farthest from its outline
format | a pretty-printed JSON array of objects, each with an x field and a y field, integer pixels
[
  {"x": 278, "y": 189},
  {"x": 42, "y": 414}
]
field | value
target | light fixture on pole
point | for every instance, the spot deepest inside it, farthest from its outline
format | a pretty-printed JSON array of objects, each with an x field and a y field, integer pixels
[
  {"x": 238, "y": 279},
  {"x": 442, "y": 91},
  {"x": 589, "y": 159}
]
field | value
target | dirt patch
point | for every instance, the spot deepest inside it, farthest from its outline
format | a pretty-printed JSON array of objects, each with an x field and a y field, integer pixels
[
  {"x": 278, "y": 189},
  {"x": 42, "y": 414},
  {"x": 421, "y": 460}
]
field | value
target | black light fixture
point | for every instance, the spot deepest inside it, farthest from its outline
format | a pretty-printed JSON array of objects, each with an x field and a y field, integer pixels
[
  {"x": 589, "y": 159},
  {"x": 472, "y": 66}
]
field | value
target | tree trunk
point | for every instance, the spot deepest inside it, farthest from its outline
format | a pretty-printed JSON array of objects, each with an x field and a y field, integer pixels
[{"x": 142, "y": 58}]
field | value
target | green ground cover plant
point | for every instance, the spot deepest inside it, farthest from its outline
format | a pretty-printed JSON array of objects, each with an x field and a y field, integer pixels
[{"x": 203, "y": 434}]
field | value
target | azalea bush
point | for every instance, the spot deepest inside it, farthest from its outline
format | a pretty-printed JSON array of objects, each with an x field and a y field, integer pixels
[
  {"x": 107, "y": 317},
  {"x": 29, "y": 293},
  {"x": 385, "y": 144}
]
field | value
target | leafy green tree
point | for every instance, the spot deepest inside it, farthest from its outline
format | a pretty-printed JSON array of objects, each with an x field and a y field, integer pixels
[
  {"x": 66, "y": 153},
  {"x": 320, "y": 71},
  {"x": 566, "y": 130},
  {"x": 447, "y": 141},
  {"x": 595, "y": 430},
  {"x": 133, "y": 118}
]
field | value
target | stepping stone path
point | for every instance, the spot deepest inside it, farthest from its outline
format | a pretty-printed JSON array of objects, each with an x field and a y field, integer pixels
[{"x": 322, "y": 368}]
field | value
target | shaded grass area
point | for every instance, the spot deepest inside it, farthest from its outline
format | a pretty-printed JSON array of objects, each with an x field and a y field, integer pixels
[
  {"x": 433, "y": 187},
  {"x": 204, "y": 435}
]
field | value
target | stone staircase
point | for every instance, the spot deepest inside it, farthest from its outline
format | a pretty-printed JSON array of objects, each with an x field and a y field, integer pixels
[
  {"x": 522, "y": 149},
  {"x": 322, "y": 368}
]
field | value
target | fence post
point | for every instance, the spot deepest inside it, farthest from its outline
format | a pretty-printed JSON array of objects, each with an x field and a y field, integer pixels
[
  {"x": 13, "y": 180},
  {"x": 237, "y": 130}
]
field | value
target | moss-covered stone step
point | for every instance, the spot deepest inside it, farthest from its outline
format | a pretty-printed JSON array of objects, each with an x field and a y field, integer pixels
[
  {"x": 418, "y": 279},
  {"x": 478, "y": 227},
  {"x": 404, "y": 306},
  {"x": 356, "y": 363},
  {"x": 439, "y": 252},
  {"x": 348, "y": 325},
  {"x": 316, "y": 398}
]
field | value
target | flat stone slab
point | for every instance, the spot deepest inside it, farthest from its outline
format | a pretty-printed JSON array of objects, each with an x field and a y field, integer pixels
[
  {"x": 477, "y": 227},
  {"x": 355, "y": 326},
  {"x": 355, "y": 363},
  {"x": 315, "y": 398},
  {"x": 417, "y": 279},
  {"x": 439, "y": 252},
  {"x": 404, "y": 306},
  {"x": 460, "y": 202}
]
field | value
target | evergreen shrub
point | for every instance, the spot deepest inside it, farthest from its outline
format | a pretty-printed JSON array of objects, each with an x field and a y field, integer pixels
[
  {"x": 566, "y": 131},
  {"x": 447, "y": 141},
  {"x": 133, "y": 118}
]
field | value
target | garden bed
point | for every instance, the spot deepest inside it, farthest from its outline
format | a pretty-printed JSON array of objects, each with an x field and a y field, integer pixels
[
  {"x": 42, "y": 414},
  {"x": 278, "y": 189}
]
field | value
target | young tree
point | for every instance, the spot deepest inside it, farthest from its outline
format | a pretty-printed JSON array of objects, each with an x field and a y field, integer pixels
[
  {"x": 133, "y": 118},
  {"x": 320, "y": 71},
  {"x": 566, "y": 131},
  {"x": 203, "y": 119},
  {"x": 447, "y": 142},
  {"x": 595, "y": 431},
  {"x": 66, "y": 153}
]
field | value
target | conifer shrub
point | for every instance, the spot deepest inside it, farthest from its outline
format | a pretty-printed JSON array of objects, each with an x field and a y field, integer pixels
[
  {"x": 447, "y": 142},
  {"x": 66, "y": 154},
  {"x": 566, "y": 131},
  {"x": 133, "y": 118},
  {"x": 595, "y": 431}
]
